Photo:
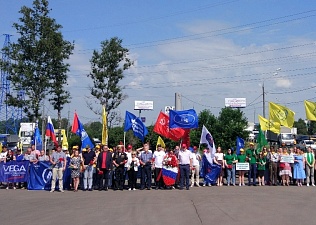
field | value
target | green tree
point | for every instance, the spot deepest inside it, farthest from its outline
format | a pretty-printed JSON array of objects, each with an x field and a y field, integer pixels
[
  {"x": 107, "y": 69},
  {"x": 230, "y": 124},
  {"x": 301, "y": 126},
  {"x": 37, "y": 60}
]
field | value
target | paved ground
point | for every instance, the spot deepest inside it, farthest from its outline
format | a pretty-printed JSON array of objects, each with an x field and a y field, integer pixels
[{"x": 203, "y": 205}]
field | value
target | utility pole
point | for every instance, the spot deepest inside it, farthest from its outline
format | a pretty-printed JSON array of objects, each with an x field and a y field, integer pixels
[
  {"x": 178, "y": 101},
  {"x": 68, "y": 124},
  {"x": 263, "y": 102}
]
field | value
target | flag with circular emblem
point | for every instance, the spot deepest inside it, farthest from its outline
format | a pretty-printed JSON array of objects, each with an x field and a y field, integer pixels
[
  {"x": 310, "y": 109},
  {"x": 281, "y": 114},
  {"x": 265, "y": 124}
]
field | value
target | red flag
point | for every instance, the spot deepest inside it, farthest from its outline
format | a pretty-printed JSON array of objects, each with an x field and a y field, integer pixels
[
  {"x": 186, "y": 137},
  {"x": 162, "y": 127},
  {"x": 75, "y": 124}
]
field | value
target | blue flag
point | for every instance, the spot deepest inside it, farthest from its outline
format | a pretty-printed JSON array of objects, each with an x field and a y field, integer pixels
[
  {"x": 37, "y": 141},
  {"x": 210, "y": 172},
  {"x": 78, "y": 129},
  {"x": 134, "y": 123},
  {"x": 183, "y": 119},
  {"x": 240, "y": 143}
]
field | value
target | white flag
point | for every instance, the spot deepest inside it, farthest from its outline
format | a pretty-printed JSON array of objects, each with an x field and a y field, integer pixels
[{"x": 207, "y": 138}]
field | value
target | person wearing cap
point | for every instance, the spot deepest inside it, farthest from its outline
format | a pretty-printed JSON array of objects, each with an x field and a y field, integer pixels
[
  {"x": 89, "y": 159},
  {"x": 119, "y": 160},
  {"x": 158, "y": 157},
  {"x": 195, "y": 172},
  {"x": 146, "y": 157},
  {"x": 241, "y": 159},
  {"x": 185, "y": 163},
  {"x": 252, "y": 158},
  {"x": 126, "y": 166}
]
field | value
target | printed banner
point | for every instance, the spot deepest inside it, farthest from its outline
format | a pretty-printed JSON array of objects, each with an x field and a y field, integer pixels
[
  {"x": 242, "y": 166},
  {"x": 287, "y": 159},
  {"x": 14, "y": 171},
  {"x": 41, "y": 176}
]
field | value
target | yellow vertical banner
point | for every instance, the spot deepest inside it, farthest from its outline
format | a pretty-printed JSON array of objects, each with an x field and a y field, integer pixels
[
  {"x": 104, "y": 127},
  {"x": 64, "y": 143}
]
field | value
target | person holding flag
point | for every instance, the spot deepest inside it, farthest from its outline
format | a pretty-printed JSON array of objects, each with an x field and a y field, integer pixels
[{"x": 158, "y": 157}]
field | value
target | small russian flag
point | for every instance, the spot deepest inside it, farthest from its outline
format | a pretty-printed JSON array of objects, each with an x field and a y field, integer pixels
[{"x": 50, "y": 132}]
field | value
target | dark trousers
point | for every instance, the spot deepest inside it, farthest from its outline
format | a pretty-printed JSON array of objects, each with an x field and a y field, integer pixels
[
  {"x": 158, "y": 177},
  {"x": 252, "y": 174},
  {"x": 104, "y": 176},
  {"x": 184, "y": 176},
  {"x": 274, "y": 172},
  {"x": 119, "y": 178},
  {"x": 146, "y": 176},
  {"x": 132, "y": 178}
]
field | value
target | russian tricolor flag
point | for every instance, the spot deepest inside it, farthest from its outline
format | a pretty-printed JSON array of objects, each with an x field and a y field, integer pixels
[
  {"x": 50, "y": 132},
  {"x": 169, "y": 175}
]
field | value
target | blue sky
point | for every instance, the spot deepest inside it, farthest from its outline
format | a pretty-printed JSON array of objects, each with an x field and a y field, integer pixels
[{"x": 205, "y": 50}]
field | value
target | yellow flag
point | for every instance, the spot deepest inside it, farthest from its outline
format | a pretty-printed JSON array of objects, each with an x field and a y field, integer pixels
[
  {"x": 160, "y": 142},
  {"x": 104, "y": 127},
  {"x": 281, "y": 114},
  {"x": 64, "y": 144},
  {"x": 269, "y": 125},
  {"x": 310, "y": 109}
]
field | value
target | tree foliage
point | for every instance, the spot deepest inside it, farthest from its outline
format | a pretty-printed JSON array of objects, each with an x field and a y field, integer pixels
[
  {"x": 107, "y": 67},
  {"x": 37, "y": 60}
]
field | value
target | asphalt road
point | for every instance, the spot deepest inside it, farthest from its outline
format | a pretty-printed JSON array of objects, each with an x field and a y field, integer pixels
[{"x": 199, "y": 205}]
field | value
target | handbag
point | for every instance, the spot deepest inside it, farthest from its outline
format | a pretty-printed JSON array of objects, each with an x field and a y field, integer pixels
[
  {"x": 229, "y": 166},
  {"x": 282, "y": 165}
]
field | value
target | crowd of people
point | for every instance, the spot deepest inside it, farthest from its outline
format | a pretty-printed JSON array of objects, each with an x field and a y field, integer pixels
[{"x": 104, "y": 168}]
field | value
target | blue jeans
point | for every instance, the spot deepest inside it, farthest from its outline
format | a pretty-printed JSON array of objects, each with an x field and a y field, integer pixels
[
  {"x": 231, "y": 174},
  {"x": 184, "y": 176},
  {"x": 87, "y": 177},
  {"x": 252, "y": 174}
]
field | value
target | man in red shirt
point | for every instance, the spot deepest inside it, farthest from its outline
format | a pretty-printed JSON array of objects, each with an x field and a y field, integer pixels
[{"x": 104, "y": 165}]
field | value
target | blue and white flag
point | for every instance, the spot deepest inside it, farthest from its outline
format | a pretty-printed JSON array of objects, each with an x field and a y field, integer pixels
[
  {"x": 78, "y": 129},
  {"x": 37, "y": 139},
  {"x": 183, "y": 119},
  {"x": 207, "y": 138},
  {"x": 134, "y": 123},
  {"x": 240, "y": 143}
]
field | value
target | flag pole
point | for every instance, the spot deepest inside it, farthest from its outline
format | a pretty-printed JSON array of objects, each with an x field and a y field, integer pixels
[{"x": 124, "y": 139}]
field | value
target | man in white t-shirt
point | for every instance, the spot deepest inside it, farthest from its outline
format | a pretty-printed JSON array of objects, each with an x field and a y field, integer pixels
[
  {"x": 3, "y": 154},
  {"x": 158, "y": 159},
  {"x": 185, "y": 163}
]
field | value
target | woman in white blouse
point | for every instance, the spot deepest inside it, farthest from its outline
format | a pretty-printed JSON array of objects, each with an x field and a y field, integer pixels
[
  {"x": 219, "y": 156},
  {"x": 132, "y": 168}
]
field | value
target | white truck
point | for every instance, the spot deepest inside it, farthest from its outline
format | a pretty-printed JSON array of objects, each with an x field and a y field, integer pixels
[
  {"x": 26, "y": 134},
  {"x": 287, "y": 136}
]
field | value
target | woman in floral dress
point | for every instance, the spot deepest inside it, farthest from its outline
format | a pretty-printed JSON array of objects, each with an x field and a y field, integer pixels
[{"x": 75, "y": 163}]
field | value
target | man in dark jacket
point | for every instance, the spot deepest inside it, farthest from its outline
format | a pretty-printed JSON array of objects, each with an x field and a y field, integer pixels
[
  {"x": 119, "y": 160},
  {"x": 104, "y": 166}
]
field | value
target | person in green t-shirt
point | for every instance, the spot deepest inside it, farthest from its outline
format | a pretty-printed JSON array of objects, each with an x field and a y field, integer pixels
[
  {"x": 252, "y": 158},
  {"x": 261, "y": 168},
  {"x": 229, "y": 161},
  {"x": 242, "y": 159}
]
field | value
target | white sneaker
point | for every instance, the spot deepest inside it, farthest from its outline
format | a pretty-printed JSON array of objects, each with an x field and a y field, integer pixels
[
  {"x": 51, "y": 191},
  {"x": 313, "y": 185},
  {"x": 203, "y": 185},
  {"x": 239, "y": 184},
  {"x": 307, "y": 185},
  {"x": 192, "y": 185},
  {"x": 228, "y": 184},
  {"x": 209, "y": 185},
  {"x": 62, "y": 191},
  {"x": 198, "y": 185},
  {"x": 14, "y": 188},
  {"x": 134, "y": 189},
  {"x": 130, "y": 189},
  {"x": 7, "y": 188}
]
